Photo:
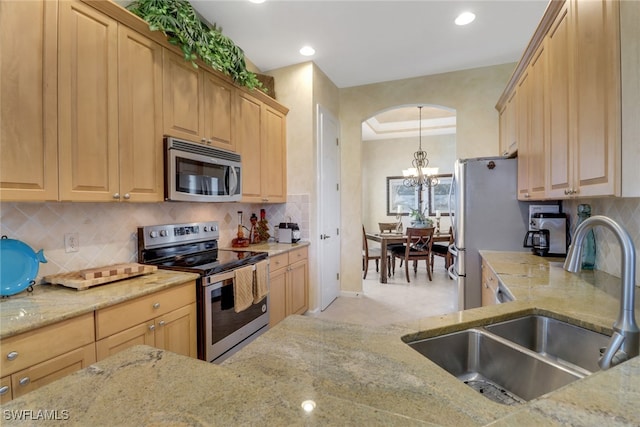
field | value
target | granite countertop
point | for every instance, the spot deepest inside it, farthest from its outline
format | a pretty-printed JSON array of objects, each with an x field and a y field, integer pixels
[
  {"x": 356, "y": 375},
  {"x": 272, "y": 248},
  {"x": 49, "y": 304}
]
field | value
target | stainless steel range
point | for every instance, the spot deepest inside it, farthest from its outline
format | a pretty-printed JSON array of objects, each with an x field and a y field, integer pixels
[{"x": 193, "y": 247}]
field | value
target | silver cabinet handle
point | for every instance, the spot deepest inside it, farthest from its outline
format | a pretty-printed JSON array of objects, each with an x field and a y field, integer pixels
[
  {"x": 12, "y": 355},
  {"x": 4, "y": 390},
  {"x": 127, "y": 196},
  {"x": 116, "y": 196},
  {"x": 24, "y": 381},
  {"x": 203, "y": 140},
  {"x": 156, "y": 305},
  {"x": 152, "y": 327},
  {"x": 161, "y": 323}
]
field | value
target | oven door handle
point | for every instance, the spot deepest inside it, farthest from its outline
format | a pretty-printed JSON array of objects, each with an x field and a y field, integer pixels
[{"x": 218, "y": 278}]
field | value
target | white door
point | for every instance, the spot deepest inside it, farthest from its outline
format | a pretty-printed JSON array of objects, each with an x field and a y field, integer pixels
[{"x": 329, "y": 207}]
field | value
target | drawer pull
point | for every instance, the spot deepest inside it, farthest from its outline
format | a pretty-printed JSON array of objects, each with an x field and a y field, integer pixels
[
  {"x": 152, "y": 327},
  {"x": 4, "y": 390},
  {"x": 24, "y": 381},
  {"x": 12, "y": 355},
  {"x": 161, "y": 323},
  {"x": 156, "y": 305}
]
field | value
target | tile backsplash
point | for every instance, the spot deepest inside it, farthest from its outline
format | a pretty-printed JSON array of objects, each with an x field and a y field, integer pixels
[
  {"x": 624, "y": 211},
  {"x": 108, "y": 231}
]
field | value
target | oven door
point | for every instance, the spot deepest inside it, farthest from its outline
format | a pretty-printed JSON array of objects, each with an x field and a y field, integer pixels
[
  {"x": 223, "y": 328},
  {"x": 197, "y": 173}
]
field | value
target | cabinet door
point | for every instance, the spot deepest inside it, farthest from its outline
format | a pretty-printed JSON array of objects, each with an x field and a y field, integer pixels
[
  {"x": 43, "y": 373},
  {"x": 522, "y": 99},
  {"x": 597, "y": 97},
  {"x": 140, "y": 117},
  {"x": 559, "y": 65},
  {"x": 142, "y": 334},
  {"x": 176, "y": 331},
  {"x": 182, "y": 115},
  {"x": 218, "y": 99},
  {"x": 537, "y": 140},
  {"x": 28, "y": 105},
  {"x": 88, "y": 106},
  {"x": 273, "y": 150},
  {"x": 297, "y": 288},
  {"x": 508, "y": 136},
  {"x": 6, "y": 393},
  {"x": 277, "y": 296},
  {"x": 489, "y": 285},
  {"x": 247, "y": 125}
]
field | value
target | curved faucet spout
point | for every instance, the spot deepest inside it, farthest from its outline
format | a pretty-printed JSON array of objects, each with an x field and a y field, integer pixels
[{"x": 628, "y": 345}]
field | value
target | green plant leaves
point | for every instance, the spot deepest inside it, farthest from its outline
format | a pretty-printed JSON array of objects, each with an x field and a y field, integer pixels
[{"x": 180, "y": 23}]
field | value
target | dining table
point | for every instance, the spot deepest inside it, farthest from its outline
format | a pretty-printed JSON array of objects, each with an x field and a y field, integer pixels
[{"x": 386, "y": 239}]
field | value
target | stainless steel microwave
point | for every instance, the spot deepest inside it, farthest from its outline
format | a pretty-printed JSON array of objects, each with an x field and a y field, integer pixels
[{"x": 198, "y": 173}]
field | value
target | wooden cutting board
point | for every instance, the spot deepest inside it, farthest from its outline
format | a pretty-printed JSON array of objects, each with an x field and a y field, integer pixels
[{"x": 84, "y": 279}]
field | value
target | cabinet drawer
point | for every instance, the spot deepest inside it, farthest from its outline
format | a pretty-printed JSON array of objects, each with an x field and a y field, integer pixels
[
  {"x": 297, "y": 255},
  {"x": 5, "y": 389},
  {"x": 46, "y": 372},
  {"x": 27, "y": 349},
  {"x": 279, "y": 261},
  {"x": 122, "y": 316}
]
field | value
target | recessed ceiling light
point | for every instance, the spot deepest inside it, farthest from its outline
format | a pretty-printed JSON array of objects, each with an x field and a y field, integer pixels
[
  {"x": 465, "y": 18},
  {"x": 307, "y": 51},
  {"x": 257, "y": 1}
]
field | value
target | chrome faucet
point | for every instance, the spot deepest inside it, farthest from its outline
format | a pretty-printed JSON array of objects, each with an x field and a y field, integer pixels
[{"x": 625, "y": 342}]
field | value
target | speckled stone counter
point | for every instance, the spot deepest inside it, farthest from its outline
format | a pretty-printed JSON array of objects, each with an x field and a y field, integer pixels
[
  {"x": 272, "y": 248},
  {"x": 49, "y": 304},
  {"x": 356, "y": 375}
]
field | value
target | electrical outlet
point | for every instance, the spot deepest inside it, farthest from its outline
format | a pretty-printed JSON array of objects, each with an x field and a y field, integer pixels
[{"x": 71, "y": 242}]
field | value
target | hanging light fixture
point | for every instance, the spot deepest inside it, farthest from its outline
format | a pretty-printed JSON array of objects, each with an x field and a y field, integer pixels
[{"x": 420, "y": 175}]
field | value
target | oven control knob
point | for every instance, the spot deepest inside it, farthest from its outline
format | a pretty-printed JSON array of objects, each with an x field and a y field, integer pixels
[
  {"x": 153, "y": 234},
  {"x": 163, "y": 233},
  {"x": 206, "y": 229},
  {"x": 264, "y": 308}
]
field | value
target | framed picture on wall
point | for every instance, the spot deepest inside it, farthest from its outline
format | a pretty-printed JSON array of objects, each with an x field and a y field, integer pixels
[
  {"x": 400, "y": 198},
  {"x": 439, "y": 195}
]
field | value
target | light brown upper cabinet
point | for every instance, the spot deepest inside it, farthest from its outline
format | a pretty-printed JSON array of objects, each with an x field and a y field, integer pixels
[
  {"x": 197, "y": 105},
  {"x": 508, "y": 136},
  {"x": 261, "y": 141},
  {"x": 590, "y": 99},
  {"x": 28, "y": 105},
  {"x": 560, "y": 169},
  {"x": 140, "y": 117},
  {"x": 88, "y": 104},
  {"x": 110, "y": 109}
]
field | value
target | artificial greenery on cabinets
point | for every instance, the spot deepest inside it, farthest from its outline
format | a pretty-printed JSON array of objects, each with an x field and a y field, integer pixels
[{"x": 180, "y": 23}]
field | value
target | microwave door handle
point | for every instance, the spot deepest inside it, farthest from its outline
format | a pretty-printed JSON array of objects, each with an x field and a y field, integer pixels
[{"x": 232, "y": 189}]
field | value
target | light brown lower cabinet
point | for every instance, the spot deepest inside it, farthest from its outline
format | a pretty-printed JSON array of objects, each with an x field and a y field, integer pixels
[
  {"x": 490, "y": 284},
  {"x": 289, "y": 285},
  {"x": 35, "y": 358},
  {"x": 165, "y": 319}
]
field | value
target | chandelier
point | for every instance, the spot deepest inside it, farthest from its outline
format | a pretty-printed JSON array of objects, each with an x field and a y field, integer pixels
[{"x": 420, "y": 175}]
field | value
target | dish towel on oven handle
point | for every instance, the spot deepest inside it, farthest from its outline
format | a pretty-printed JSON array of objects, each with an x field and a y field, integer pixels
[
  {"x": 260, "y": 288},
  {"x": 243, "y": 288}
]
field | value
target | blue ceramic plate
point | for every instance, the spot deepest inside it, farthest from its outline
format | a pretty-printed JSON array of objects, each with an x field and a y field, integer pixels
[{"x": 18, "y": 266}]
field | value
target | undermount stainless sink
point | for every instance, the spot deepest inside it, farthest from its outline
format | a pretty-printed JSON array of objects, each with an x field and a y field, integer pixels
[
  {"x": 566, "y": 344},
  {"x": 517, "y": 360}
]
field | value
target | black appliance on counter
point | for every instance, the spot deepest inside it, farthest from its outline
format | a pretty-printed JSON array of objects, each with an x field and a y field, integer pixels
[{"x": 193, "y": 247}]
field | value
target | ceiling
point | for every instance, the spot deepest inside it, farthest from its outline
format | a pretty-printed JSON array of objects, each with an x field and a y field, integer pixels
[{"x": 360, "y": 42}]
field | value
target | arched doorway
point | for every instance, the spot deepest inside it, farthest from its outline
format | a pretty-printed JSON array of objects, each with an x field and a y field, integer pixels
[{"x": 389, "y": 139}]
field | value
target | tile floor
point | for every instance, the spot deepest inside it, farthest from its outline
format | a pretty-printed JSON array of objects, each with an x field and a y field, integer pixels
[{"x": 397, "y": 300}]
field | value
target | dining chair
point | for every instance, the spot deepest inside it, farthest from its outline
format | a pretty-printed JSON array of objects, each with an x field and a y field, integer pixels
[
  {"x": 442, "y": 250},
  {"x": 372, "y": 254},
  {"x": 416, "y": 248}
]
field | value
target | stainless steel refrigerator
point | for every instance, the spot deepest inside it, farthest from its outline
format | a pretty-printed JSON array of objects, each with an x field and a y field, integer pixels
[{"x": 486, "y": 214}]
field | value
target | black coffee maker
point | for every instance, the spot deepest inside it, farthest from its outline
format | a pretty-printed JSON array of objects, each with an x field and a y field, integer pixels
[{"x": 548, "y": 234}]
